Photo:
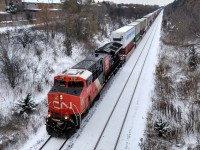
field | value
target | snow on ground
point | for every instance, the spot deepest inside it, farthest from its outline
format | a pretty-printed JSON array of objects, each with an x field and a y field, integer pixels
[
  {"x": 5, "y": 29},
  {"x": 2, "y": 12},
  {"x": 34, "y": 137},
  {"x": 134, "y": 130}
]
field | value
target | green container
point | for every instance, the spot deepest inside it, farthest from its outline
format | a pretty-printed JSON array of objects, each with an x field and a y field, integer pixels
[{"x": 137, "y": 37}]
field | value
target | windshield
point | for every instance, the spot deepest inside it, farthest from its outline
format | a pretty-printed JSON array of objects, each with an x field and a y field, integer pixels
[
  {"x": 75, "y": 84},
  {"x": 59, "y": 83}
]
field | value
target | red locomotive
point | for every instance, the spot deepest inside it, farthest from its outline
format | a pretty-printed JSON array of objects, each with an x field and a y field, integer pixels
[{"x": 75, "y": 89}]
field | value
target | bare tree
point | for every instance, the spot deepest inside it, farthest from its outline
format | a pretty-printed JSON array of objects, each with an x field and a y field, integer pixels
[
  {"x": 48, "y": 19},
  {"x": 10, "y": 65},
  {"x": 25, "y": 37}
]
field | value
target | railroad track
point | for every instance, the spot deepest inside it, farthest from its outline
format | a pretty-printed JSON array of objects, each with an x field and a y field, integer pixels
[{"x": 47, "y": 145}]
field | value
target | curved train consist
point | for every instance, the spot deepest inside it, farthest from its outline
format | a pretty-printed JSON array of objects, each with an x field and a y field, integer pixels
[{"x": 76, "y": 89}]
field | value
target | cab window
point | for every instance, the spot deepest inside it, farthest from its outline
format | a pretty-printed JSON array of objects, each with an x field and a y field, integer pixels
[
  {"x": 60, "y": 83},
  {"x": 75, "y": 84}
]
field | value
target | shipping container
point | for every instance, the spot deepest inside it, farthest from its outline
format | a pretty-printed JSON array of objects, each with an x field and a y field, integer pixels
[
  {"x": 149, "y": 19},
  {"x": 137, "y": 30},
  {"x": 124, "y": 35},
  {"x": 143, "y": 25}
]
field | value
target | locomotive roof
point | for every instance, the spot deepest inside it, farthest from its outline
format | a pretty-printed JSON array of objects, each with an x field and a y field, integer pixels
[
  {"x": 88, "y": 62},
  {"x": 110, "y": 47},
  {"x": 84, "y": 64},
  {"x": 82, "y": 73},
  {"x": 94, "y": 57}
]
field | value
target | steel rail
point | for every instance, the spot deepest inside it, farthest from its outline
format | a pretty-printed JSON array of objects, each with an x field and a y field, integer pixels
[{"x": 45, "y": 143}]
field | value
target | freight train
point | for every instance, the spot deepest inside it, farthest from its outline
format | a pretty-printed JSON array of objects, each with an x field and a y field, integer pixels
[{"x": 76, "y": 89}]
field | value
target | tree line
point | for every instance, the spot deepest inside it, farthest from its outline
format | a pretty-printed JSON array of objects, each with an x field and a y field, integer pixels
[{"x": 181, "y": 21}]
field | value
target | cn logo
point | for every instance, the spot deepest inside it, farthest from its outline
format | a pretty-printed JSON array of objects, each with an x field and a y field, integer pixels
[{"x": 60, "y": 105}]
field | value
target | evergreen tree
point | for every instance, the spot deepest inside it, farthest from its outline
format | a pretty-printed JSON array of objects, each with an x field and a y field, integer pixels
[
  {"x": 26, "y": 105},
  {"x": 162, "y": 127},
  {"x": 68, "y": 45},
  {"x": 193, "y": 60},
  {"x": 11, "y": 8}
]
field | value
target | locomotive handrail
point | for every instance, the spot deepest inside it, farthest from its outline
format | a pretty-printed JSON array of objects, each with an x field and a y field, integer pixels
[
  {"x": 78, "y": 113},
  {"x": 74, "y": 115}
]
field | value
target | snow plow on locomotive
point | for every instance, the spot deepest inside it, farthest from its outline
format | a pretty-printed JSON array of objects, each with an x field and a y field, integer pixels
[{"x": 75, "y": 90}]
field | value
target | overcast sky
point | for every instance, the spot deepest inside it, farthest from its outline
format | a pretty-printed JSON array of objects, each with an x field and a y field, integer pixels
[{"x": 147, "y": 2}]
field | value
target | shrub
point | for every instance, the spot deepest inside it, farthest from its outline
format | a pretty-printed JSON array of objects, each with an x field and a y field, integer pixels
[
  {"x": 26, "y": 105},
  {"x": 162, "y": 127}
]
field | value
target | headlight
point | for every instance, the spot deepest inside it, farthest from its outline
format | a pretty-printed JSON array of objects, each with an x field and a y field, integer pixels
[
  {"x": 49, "y": 115},
  {"x": 66, "y": 117},
  {"x": 61, "y": 97}
]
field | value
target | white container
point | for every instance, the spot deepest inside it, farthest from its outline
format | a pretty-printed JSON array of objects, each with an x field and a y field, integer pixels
[
  {"x": 143, "y": 23},
  {"x": 136, "y": 25},
  {"x": 123, "y": 35},
  {"x": 149, "y": 18}
]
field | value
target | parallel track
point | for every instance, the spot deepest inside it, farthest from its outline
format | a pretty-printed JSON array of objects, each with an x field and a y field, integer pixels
[
  {"x": 45, "y": 143},
  {"x": 49, "y": 140}
]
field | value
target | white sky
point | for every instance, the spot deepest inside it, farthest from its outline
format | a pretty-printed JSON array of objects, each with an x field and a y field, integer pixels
[{"x": 147, "y": 2}]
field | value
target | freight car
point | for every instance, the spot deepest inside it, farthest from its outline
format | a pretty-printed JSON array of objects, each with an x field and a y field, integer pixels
[
  {"x": 143, "y": 25},
  {"x": 137, "y": 26},
  {"x": 124, "y": 36},
  {"x": 75, "y": 89}
]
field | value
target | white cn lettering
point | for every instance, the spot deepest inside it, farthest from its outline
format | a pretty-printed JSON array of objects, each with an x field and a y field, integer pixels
[
  {"x": 60, "y": 105},
  {"x": 63, "y": 105},
  {"x": 56, "y": 103}
]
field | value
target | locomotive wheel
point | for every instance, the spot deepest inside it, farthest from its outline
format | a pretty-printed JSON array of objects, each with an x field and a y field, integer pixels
[
  {"x": 97, "y": 97},
  {"x": 79, "y": 121},
  {"x": 70, "y": 132},
  {"x": 86, "y": 111},
  {"x": 49, "y": 130}
]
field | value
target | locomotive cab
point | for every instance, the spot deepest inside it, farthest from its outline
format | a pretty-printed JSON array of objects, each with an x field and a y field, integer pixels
[{"x": 68, "y": 99}]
